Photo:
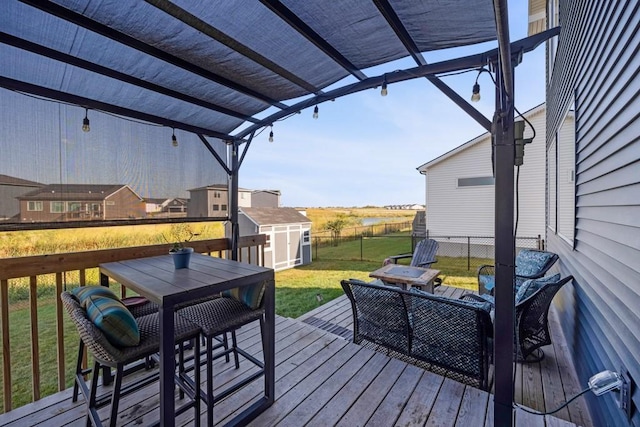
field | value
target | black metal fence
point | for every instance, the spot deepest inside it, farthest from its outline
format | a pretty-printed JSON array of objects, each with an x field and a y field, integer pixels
[{"x": 366, "y": 230}]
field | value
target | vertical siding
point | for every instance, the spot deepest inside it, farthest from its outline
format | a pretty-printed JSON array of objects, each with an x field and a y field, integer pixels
[{"x": 598, "y": 64}]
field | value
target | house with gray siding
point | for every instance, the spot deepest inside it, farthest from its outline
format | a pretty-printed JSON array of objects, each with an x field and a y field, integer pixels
[
  {"x": 593, "y": 188},
  {"x": 10, "y": 189}
]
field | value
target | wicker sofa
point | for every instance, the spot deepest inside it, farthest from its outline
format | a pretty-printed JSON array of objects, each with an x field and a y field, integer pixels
[{"x": 449, "y": 336}]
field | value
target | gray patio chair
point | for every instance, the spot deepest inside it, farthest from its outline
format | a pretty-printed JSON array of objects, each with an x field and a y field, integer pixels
[
  {"x": 532, "y": 316},
  {"x": 106, "y": 354},
  {"x": 530, "y": 264},
  {"x": 218, "y": 316},
  {"x": 424, "y": 254}
]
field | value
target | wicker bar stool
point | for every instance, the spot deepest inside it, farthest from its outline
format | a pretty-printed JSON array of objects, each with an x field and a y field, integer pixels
[
  {"x": 217, "y": 317},
  {"x": 106, "y": 354}
]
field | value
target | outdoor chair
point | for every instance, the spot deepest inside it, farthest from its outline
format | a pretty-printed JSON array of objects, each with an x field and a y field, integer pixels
[
  {"x": 107, "y": 354},
  {"x": 218, "y": 316},
  {"x": 530, "y": 264},
  {"x": 532, "y": 303},
  {"x": 450, "y": 336},
  {"x": 423, "y": 255}
]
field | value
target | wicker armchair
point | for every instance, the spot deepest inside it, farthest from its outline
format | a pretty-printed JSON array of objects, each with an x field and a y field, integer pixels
[
  {"x": 449, "y": 336},
  {"x": 532, "y": 320},
  {"x": 106, "y": 354},
  {"x": 530, "y": 264},
  {"x": 423, "y": 255}
]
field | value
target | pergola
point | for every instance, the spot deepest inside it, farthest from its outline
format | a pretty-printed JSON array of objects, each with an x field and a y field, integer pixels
[{"x": 226, "y": 69}]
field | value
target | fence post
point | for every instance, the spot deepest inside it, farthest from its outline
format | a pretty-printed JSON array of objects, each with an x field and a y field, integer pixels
[
  {"x": 316, "y": 239},
  {"x": 361, "y": 243},
  {"x": 468, "y": 253}
]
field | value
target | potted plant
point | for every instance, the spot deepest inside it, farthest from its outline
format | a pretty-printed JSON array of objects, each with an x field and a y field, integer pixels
[{"x": 180, "y": 253}]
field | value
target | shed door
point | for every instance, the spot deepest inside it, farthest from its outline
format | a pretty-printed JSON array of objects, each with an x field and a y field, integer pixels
[{"x": 286, "y": 246}]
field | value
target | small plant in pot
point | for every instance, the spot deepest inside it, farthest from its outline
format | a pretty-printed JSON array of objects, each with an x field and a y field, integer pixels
[{"x": 181, "y": 254}]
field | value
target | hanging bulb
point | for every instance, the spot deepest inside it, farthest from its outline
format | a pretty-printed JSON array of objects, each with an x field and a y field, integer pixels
[
  {"x": 475, "y": 96},
  {"x": 271, "y": 135},
  {"x": 85, "y": 121},
  {"x": 174, "y": 140},
  {"x": 315, "y": 112},
  {"x": 383, "y": 91}
]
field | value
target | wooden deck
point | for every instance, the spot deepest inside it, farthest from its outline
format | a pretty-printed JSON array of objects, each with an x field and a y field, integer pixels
[{"x": 324, "y": 380}]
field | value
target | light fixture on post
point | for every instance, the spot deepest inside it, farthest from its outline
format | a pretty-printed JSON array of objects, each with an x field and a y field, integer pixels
[
  {"x": 384, "y": 91},
  {"x": 315, "y": 112},
  {"x": 271, "y": 134},
  {"x": 475, "y": 92},
  {"x": 174, "y": 140},
  {"x": 85, "y": 121}
]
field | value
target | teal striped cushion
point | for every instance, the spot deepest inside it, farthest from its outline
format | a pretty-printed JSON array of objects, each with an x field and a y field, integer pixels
[
  {"x": 251, "y": 295},
  {"x": 114, "y": 320},
  {"x": 83, "y": 293}
]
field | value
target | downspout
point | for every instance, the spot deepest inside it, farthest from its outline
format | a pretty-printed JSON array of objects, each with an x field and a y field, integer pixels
[{"x": 504, "y": 238}]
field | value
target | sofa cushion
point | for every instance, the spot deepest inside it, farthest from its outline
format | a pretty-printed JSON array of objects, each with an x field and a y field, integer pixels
[
  {"x": 114, "y": 320},
  {"x": 488, "y": 281},
  {"x": 531, "y": 263},
  {"x": 529, "y": 287}
]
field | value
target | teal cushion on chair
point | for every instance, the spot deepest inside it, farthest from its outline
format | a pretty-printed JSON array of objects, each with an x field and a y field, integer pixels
[
  {"x": 251, "y": 296},
  {"x": 530, "y": 286},
  {"x": 83, "y": 293},
  {"x": 114, "y": 320}
]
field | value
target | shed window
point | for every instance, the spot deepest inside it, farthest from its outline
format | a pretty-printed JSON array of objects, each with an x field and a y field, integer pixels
[
  {"x": 305, "y": 236},
  {"x": 476, "y": 181},
  {"x": 34, "y": 206}
]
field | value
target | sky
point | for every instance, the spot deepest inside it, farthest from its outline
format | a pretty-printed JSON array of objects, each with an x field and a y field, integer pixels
[{"x": 364, "y": 149}]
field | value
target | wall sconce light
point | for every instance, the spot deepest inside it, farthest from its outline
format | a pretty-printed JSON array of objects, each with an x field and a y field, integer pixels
[
  {"x": 85, "y": 121},
  {"x": 174, "y": 140},
  {"x": 315, "y": 112}
]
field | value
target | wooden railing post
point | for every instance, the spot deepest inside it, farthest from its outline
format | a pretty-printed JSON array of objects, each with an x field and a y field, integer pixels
[
  {"x": 6, "y": 348},
  {"x": 60, "y": 333},
  {"x": 35, "y": 346}
]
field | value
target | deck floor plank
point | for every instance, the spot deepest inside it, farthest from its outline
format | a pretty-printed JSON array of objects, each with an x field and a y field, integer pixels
[{"x": 473, "y": 409}]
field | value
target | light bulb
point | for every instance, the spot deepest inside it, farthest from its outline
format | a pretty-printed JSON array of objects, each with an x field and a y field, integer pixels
[
  {"x": 383, "y": 91},
  {"x": 475, "y": 96},
  {"x": 271, "y": 136},
  {"x": 174, "y": 140},
  {"x": 315, "y": 112},
  {"x": 85, "y": 121}
]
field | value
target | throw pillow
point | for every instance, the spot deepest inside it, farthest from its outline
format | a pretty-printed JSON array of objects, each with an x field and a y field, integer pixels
[
  {"x": 530, "y": 286},
  {"x": 114, "y": 320},
  {"x": 83, "y": 293},
  {"x": 529, "y": 262},
  {"x": 251, "y": 296}
]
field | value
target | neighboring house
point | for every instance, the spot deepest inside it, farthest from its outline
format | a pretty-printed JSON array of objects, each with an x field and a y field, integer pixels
[
  {"x": 593, "y": 220},
  {"x": 288, "y": 231},
  {"x": 175, "y": 205},
  {"x": 459, "y": 185},
  {"x": 213, "y": 200},
  {"x": 77, "y": 202},
  {"x": 407, "y": 207},
  {"x": 10, "y": 189},
  {"x": 265, "y": 199},
  {"x": 153, "y": 205}
]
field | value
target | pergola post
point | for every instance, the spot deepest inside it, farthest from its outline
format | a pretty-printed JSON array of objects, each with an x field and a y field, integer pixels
[
  {"x": 504, "y": 151},
  {"x": 233, "y": 198}
]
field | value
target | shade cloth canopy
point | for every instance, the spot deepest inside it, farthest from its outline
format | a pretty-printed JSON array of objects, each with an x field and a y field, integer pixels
[{"x": 211, "y": 66}]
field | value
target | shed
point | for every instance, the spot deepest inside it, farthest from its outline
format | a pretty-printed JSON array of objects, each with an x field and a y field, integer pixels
[
  {"x": 10, "y": 189},
  {"x": 288, "y": 231}
]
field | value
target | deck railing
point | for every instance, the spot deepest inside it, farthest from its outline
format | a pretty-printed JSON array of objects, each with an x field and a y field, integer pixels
[{"x": 34, "y": 268}]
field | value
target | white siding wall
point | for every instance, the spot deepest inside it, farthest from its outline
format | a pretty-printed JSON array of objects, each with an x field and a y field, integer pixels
[
  {"x": 469, "y": 211},
  {"x": 566, "y": 186}
]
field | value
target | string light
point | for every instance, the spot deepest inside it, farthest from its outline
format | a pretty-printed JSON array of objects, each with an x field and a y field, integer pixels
[
  {"x": 174, "y": 140},
  {"x": 271, "y": 135},
  {"x": 475, "y": 93},
  {"x": 384, "y": 91},
  {"x": 315, "y": 112},
  {"x": 85, "y": 121}
]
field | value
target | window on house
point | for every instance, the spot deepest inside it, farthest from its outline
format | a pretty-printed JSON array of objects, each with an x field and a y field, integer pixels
[
  {"x": 566, "y": 164},
  {"x": 216, "y": 207},
  {"x": 476, "y": 181},
  {"x": 552, "y": 185},
  {"x": 34, "y": 206},
  {"x": 223, "y": 207},
  {"x": 74, "y": 206},
  {"x": 57, "y": 207}
]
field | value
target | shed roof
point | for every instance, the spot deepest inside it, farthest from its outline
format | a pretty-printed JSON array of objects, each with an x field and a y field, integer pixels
[
  {"x": 12, "y": 180},
  {"x": 272, "y": 216},
  {"x": 210, "y": 68}
]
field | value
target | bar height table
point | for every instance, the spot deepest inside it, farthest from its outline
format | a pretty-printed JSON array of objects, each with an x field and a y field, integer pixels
[{"x": 156, "y": 279}]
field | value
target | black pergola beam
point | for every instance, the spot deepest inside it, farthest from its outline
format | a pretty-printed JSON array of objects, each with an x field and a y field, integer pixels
[
  {"x": 98, "y": 28},
  {"x": 458, "y": 64},
  {"x": 205, "y": 28},
  {"x": 303, "y": 29},
  {"x": 99, "y": 69},
  {"x": 57, "y": 95}
]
